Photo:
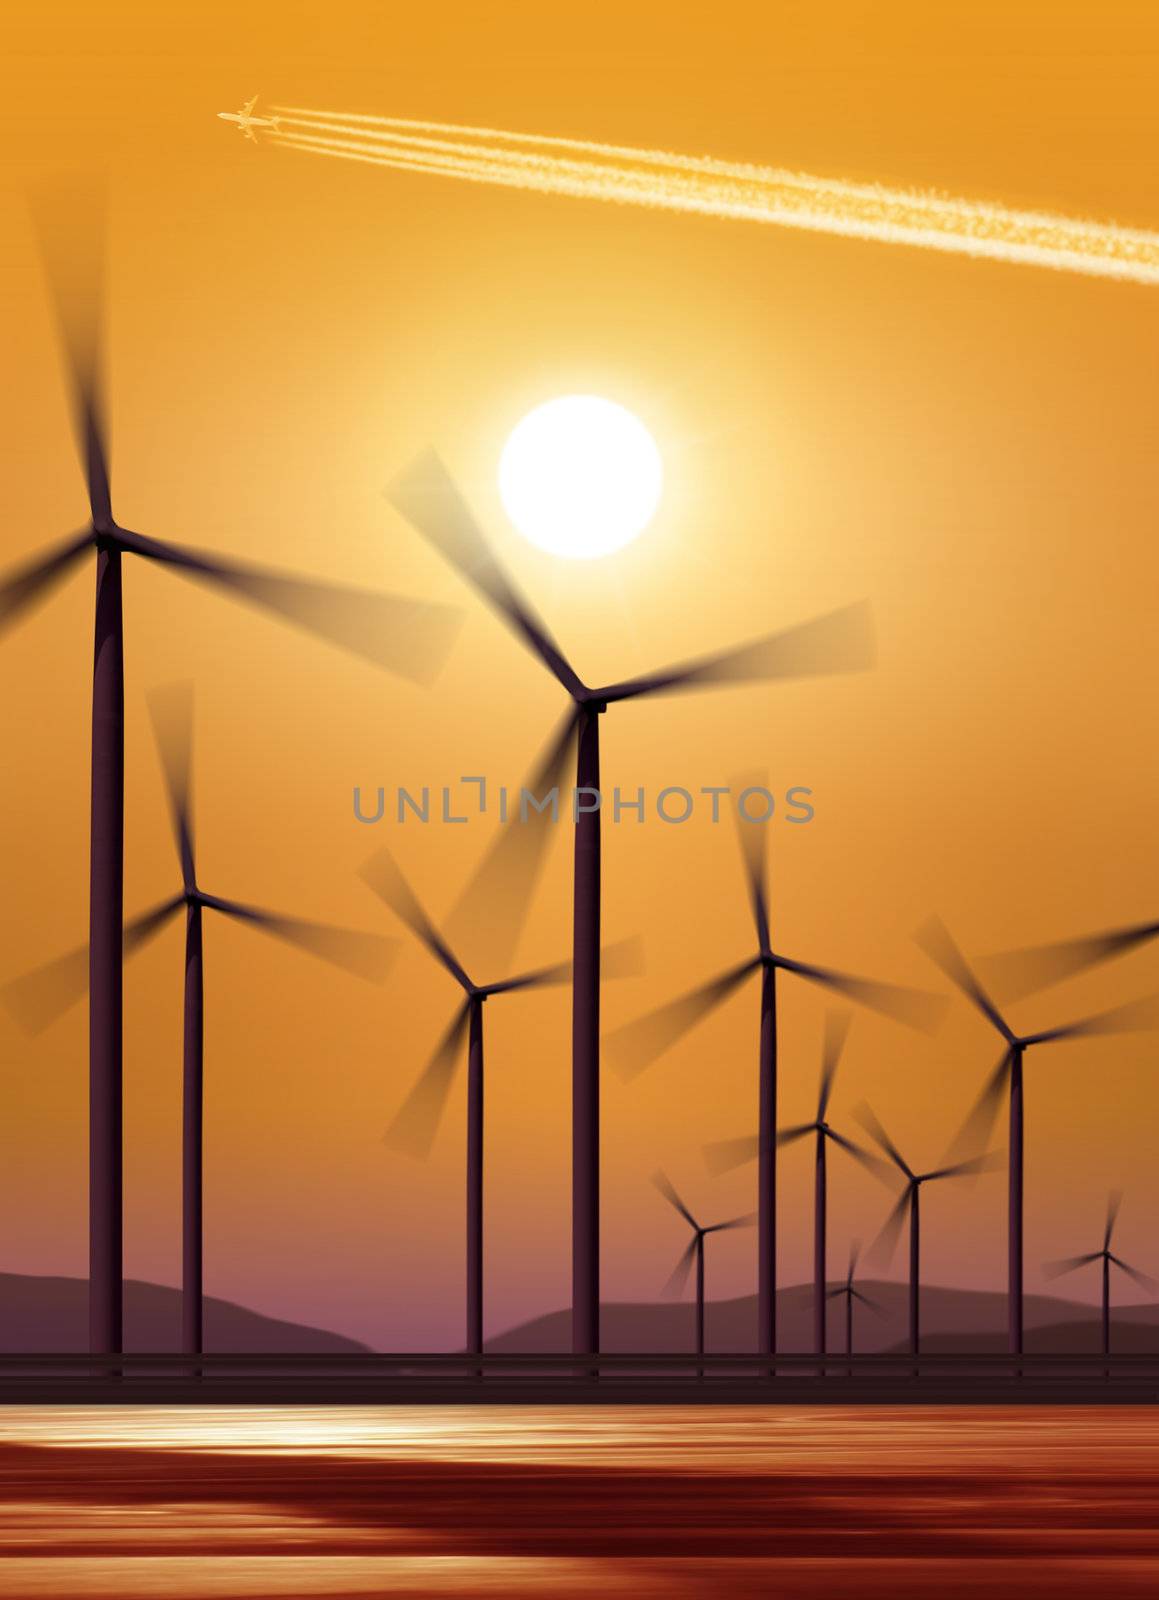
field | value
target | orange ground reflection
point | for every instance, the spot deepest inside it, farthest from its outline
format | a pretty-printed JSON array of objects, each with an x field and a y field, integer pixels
[{"x": 640, "y": 1501}]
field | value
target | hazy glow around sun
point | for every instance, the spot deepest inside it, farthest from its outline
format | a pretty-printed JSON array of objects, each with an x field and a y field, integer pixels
[{"x": 580, "y": 476}]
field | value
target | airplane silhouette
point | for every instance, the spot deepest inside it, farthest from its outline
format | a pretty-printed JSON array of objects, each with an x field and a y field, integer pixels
[{"x": 246, "y": 120}]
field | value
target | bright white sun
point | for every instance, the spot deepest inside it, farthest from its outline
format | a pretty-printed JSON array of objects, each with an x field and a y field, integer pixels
[{"x": 580, "y": 476}]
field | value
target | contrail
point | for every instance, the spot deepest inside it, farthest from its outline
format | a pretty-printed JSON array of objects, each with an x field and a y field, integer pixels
[{"x": 704, "y": 186}]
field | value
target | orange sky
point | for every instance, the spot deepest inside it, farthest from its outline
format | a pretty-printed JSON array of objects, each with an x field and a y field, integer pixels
[{"x": 969, "y": 445}]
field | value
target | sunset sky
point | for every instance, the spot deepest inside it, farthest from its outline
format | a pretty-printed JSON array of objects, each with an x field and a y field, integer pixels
[{"x": 969, "y": 445}]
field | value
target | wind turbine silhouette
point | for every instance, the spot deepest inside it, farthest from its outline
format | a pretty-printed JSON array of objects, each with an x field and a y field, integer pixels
[
  {"x": 403, "y": 635},
  {"x": 695, "y": 1250},
  {"x": 413, "y": 1129},
  {"x": 416, "y": 1124},
  {"x": 839, "y": 642},
  {"x": 725, "y": 1154},
  {"x": 1056, "y": 1269},
  {"x": 1138, "y": 1015},
  {"x": 909, "y": 1206},
  {"x": 39, "y": 997},
  {"x": 636, "y": 1045},
  {"x": 849, "y": 1292}
]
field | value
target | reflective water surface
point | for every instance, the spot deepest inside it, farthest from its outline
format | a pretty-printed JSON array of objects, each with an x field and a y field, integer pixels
[{"x": 780, "y": 1502}]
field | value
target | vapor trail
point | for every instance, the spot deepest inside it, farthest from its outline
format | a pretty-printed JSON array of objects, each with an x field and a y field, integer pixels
[{"x": 708, "y": 187}]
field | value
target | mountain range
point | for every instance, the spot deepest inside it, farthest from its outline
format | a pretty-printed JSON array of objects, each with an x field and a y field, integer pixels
[
  {"x": 51, "y": 1314},
  {"x": 952, "y": 1319}
]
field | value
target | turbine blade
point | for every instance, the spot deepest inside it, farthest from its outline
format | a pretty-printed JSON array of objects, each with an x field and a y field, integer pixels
[
  {"x": 661, "y": 1182},
  {"x": 69, "y": 220},
  {"x": 979, "y": 1122},
  {"x": 913, "y": 1007},
  {"x": 1055, "y": 1269},
  {"x": 748, "y": 1220},
  {"x": 971, "y": 1167},
  {"x": 1016, "y": 973},
  {"x": 725, "y": 1154},
  {"x": 33, "y": 582},
  {"x": 883, "y": 1247},
  {"x": 934, "y": 938},
  {"x": 791, "y": 1135},
  {"x": 142, "y": 929},
  {"x": 620, "y": 960},
  {"x": 854, "y": 1257},
  {"x": 840, "y": 641},
  {"x": 1143, "y": 1279},
  {"x": 836, "y": 1029},
  {"x": 674, "y": 1287},
  {"x": 366, "y": 955},
  {"x": 1137, "y": 1016},
  {"x": 870, "y": 1304},
  {"x": 868, "y": 1160},
  {"x": 172, "y": 712},
  {"x": 754, "y": 844},
  {"x": 411, "y": 638},
  {"x": 38, "y": 998},
  {"x": 427, "y": 496},
  {"x": 637, "y": 1044},
  {"x": 1114, "y": 1201},
  {"x": 539, "y": 978},
  {"x": 623, "y": 959},
  {"x": 413, "y": 1130},
  {"x": 490, "y": 911},
  {"x": 384, "y": 875},
  {"x": 867, "y": 1117}
]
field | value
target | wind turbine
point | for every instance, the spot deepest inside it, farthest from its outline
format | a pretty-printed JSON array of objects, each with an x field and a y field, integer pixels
[
  {"x": 909, "y": 1205},
  {"x": 416, "y": 1124},
  {"x": 1137, "y": 1015},
  {"x": 639, "y": 1043},
  {"x": 408, "y": 637},
  {"x": 849, "y": 1292},
  {"x": 1055, "y": 1269},
  {"x": 39, "y": 997},
  {"x": 839, "y": 642},
  {"x": 726, "y": 1154},
  {"x": 695, "y": 1250}
]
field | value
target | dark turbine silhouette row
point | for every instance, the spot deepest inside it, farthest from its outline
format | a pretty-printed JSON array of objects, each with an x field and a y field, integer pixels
[
  {"x": 413, "y": 638},
  {"x": 416, "y": 1123}
]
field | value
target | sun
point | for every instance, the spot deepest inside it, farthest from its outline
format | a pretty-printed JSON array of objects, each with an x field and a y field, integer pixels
[{"x": 580, "y": 476}]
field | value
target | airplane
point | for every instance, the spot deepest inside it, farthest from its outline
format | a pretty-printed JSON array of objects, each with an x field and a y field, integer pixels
[{"x": 246, "y": 120}]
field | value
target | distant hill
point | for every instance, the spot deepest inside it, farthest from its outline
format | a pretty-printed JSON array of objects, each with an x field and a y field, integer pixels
[
  {"x": 952, "y": 1319},
  {"x": 51, "y": 1314}
]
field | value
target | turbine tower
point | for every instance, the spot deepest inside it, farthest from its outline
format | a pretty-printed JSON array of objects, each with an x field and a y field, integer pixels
[
  {"x": 39, "y": 997},
  {"x": 1137, "y": 1015},
  {"x": 849, "y": 1292},
  {"x": 908, "y": 1207},
  {"x": 726, "y": 1154},
  {"x": 1107, "y": 1260},
  {"x": 695, "y": 1251},
  {"x": 406, "y": 636},
  {"x": 416, "y": 1124},
  {"x": 636, "y": 1045},
  {"x": 839, "y": 642}
]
